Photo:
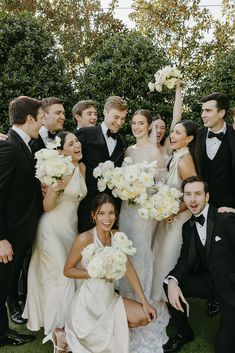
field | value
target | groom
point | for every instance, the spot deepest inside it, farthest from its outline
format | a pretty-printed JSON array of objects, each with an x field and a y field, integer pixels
[
  {"x": 206, "y": 267},
  {"x": 99, "y": 144}
]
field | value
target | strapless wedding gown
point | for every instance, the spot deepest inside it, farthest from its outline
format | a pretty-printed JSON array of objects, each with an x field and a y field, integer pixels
[
  {"x": 168, "y": 239},
  {"x": 150, "y": 338},
  {"x": 49, "y": 291},
  {"x": 96, "y": 320}
]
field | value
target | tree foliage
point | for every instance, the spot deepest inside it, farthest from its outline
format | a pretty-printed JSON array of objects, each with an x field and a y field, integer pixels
[
  {"x": 180, "y": 27},
  {"x": 123, "y": 66},
  {"x": 79, "y": 26},
  {"x": 30, "y": 63}
]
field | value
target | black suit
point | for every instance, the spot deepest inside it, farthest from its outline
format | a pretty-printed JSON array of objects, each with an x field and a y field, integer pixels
[
  {"x": 212, "y": 273},
  {"x": 20, "y": 208},
  {"x": 95, "y": 151},
  {"x": 220, "y": 172}
]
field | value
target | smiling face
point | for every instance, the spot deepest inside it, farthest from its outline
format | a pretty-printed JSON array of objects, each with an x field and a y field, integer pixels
[
  {"x": 105, "y": 217},
  {"x": 212, "y": 117},
  {"x": 195, "y": 197},
  {"x": 114, "y": 119},
  {"x": 88, "y": 117},
  {"x": 72, "y": 147},
  {"x": 160, "y": 127},
  {"x": 179, "y": 138},
  {"x": 139, "y": 126},
  {"x": 54, "y": 117}
]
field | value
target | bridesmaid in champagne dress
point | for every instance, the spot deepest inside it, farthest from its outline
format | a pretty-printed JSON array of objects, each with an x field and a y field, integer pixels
[
  {"x": 168, "y": 239},
  {"x": 49, "y": 291},
  {"x": 98, "y": 318}
]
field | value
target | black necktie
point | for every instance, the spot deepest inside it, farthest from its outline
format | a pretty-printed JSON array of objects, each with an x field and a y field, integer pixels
[
  {"x": 219, "y": 136},
  {"x": 51, "y": 135},
  {"x": 194, "y": 219},
  {"x": 112, "y": 134}
]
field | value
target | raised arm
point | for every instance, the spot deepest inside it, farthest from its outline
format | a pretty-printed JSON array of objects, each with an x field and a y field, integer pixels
[{"x": 178, "y": 105}]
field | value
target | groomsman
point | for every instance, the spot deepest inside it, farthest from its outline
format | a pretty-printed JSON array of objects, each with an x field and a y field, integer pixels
[
  {"x": 101, "y": 143},
  {"x": 53, "y": 122},
  {"x": 206, "y": 267},
  {"x": 20, "y": 201},
  {"x": 85, "y": 114},
  {"x": 216, "y": 156}
]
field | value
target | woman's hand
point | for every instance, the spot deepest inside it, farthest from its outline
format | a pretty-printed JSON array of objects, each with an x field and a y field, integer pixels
[{"x": 150, "y": 312}]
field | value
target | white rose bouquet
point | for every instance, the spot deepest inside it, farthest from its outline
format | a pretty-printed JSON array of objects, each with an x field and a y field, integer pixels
[
  {"x": 168, "y": 77},
  {"x": 127, "y": 182},
  {"x": 109, "y": 262},
  {"x": 162, "y": 203},
  {"x": 51, "y": 165}
]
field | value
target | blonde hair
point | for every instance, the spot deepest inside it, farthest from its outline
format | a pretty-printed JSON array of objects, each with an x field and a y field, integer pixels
[{"x": 115, "y": 102}]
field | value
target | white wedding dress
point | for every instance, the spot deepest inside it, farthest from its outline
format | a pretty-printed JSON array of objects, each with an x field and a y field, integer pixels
[
  {"x": 49, "y": 291},
  {"x": 150, "y": 338},
  {"x": 96, "y": 320},
  {"x": 168, "y": 239}
]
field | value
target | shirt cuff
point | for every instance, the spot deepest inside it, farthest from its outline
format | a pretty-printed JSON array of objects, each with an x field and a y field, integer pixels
[{"x": 170, "y": 277}]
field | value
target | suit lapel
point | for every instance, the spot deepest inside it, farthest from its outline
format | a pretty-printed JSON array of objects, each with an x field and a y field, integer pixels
[
  {"x": 209, "y": 230},
  {"x": 101, "y": 141},
  {"x": 231, "y": 138},
  {"x": 192, "y": 254},
  {"x": 119, "y": 149},
  {"x": 26, "y": 150}
]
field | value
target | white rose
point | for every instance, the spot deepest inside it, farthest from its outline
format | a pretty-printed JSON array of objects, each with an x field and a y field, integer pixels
[{"x": 151, "y": 86}]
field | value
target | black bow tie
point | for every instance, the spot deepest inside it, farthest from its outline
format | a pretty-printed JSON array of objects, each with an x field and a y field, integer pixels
[
  {"x": 219, "y": 136},
  {"x": 112, "y": 134},
  {"x": 194, "y": 219},
  {"x": 51, "y": 135}
]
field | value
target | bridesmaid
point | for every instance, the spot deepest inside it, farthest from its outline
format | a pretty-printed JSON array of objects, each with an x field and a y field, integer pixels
[
  {"x": 49, "y": 292},
  {"x": 168, "y": 239},
  {"x": 98, "y": 318},
  {"x": 163, "y": 142}
]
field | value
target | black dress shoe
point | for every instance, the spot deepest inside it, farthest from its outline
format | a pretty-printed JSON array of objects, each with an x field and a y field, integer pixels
[
  {"x": 9, "y": 341},
  {"x": 213, "y": 308},
  {"x": 19, "y": 336},
  {"x": 174, "y": 344},
  {"x": 17, "y": 318}
]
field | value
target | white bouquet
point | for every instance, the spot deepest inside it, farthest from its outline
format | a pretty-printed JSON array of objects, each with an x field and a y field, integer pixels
[
  {"x": 127, "y": 182},
  {"x": 168, "y": 77},
  {"x": 109, "y": 262},
  {"x": 51, "y": 165},
  {"x": 160, "y": 204}
]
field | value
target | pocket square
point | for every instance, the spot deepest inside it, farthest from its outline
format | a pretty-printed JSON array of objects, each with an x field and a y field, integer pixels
[{"x": 217, "y": 238}]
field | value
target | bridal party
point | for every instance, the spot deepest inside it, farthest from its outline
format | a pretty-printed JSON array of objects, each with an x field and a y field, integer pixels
[{"x": 103, "y": 239}]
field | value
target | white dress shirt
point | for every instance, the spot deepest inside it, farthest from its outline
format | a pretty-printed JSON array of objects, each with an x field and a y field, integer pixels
[
  {"x": 25, "y": 137},
  {"x": 213, "y": 144},
  {"x": 111, "y": 143}
]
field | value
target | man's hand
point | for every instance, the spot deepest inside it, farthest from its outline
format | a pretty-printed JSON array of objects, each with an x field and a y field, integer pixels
[
  {"x": 6, "y": 252},
  {"x": 3, "y": 137},
  {"x": 175, "y": 295}
]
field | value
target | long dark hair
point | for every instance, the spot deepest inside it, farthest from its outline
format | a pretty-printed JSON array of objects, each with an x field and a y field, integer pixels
[
  {"x": 191, "y": 130},
  {"x": 159, "y": 117},
  {"x": 62, "y": 135},
  {"x": 100, "y": 200}
]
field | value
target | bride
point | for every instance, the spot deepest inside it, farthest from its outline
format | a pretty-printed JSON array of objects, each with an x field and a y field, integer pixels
[{"x": 150, "y": 338}]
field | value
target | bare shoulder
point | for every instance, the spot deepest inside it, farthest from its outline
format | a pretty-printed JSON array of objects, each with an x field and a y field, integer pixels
[
  {"x": 186, "y": 167},
  {"x": 84, "y": 239}
]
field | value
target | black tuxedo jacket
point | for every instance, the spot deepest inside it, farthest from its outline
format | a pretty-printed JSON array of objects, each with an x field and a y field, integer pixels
[
  {"x": 95, "y": 151},
  {"x": 20, "y": 194},
  {"x": 220, "y": 249},
  {"x": 200, "y": 147},
  {"x": 37, "y": 144}
]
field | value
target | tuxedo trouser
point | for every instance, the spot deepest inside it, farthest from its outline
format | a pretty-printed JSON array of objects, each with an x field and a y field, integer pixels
[
  {"x": 200, "y": 286},
  {"x": 7, "y": 272}
]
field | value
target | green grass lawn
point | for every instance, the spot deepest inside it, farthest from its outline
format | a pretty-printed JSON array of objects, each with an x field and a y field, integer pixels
[{"x": 204, "y": 329}]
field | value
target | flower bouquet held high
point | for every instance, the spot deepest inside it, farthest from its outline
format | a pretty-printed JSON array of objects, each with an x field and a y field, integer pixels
[
  {"x": 168, "y": 76},
  {"x": 52, "y": 166},
  {"x": 109, "y": 262}
]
